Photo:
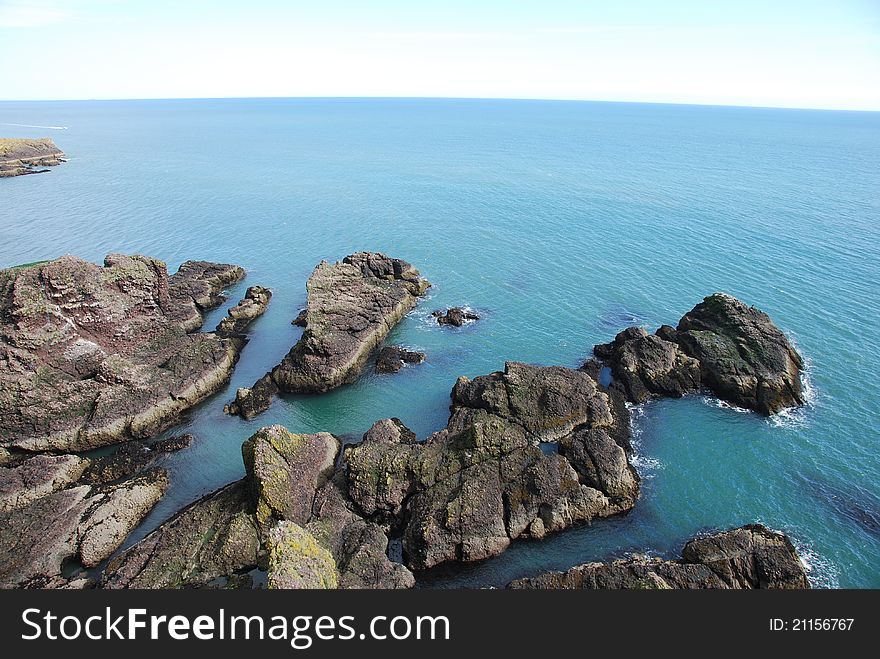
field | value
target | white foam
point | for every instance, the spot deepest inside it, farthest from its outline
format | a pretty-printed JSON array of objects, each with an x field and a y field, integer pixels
[
  {"x": 821, "y": 572},
  {"x": 712, "y": 401},
  {"x": 798, "y": 417},
  {"x": 645, "y": 467}
]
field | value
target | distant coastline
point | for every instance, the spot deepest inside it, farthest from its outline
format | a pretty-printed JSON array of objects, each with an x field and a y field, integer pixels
[{"x": 20, "y": 156}]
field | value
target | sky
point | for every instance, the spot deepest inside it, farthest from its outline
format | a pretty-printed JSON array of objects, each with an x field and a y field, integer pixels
[{"x": 780, "y": 53}]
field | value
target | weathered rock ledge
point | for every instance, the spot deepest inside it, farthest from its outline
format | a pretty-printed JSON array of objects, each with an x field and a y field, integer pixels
[
  {"x": 472, "y": 488},
  {"x": 352, "y": 305},
  {"x": 722, "y": 344},
  {"x": 93, "y": 355},
  {"x": 748, "y": 557},
  {"x": 26, "y": 156}
]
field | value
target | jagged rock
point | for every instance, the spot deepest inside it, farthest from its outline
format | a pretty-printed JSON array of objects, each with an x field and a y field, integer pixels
[
  {"x": 285, "y": 470},
  {"x": 296, "y": 560},
  {"x": 352, "y": 305},
  {"x": 37, "y": 477},
  {"x": 255, "y": 302},
  {"x": 470, "y": 489},
  {"x": 646, "y": 365},
  {"x": 197, "y": 287},
  {"x": 81, "y": 524},
  {"x": 392, "y": 358},
  {"x": 733, "y": 349},
  {"x": 748, "y": 557},
  {"x": 744, "y": 357},
  {"x": 131, "y": 458},
  {"x": 455, "y": 316},
  {"x": 359, "y": 547},
  {"x": 23, "y": 156},
  {"x": 302, "y": 318},
  {"x": 94, "y": 355},
  {"x": 214, "y": 537}
]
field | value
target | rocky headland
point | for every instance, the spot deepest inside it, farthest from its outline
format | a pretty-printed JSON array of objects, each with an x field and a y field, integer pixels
[
  {"x": 27, "y": 156},
  {"x": 352, "y": 306},
  {"x": 92, "y": 355},
  {"x": 749, "y": 557},
  {"x": 733, "y": 350}
]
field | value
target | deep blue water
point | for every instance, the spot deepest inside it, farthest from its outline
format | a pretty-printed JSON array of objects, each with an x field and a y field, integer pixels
[{"x": 562, "y": 222}]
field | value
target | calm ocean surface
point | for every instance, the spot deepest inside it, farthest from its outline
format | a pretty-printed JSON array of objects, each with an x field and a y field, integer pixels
[{"x": 561, "y": 222}]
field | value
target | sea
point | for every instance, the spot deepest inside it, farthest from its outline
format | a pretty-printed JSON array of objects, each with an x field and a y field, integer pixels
[{"x": 559, "y": 223}]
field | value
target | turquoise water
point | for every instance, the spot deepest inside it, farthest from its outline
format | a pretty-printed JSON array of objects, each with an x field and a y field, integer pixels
[{"x": 561, "y": 222}]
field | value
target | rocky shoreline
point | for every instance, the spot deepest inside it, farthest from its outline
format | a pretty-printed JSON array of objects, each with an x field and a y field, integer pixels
[
  {"x": 27, "y": 156},
  {"x": 94, "y": 355}
]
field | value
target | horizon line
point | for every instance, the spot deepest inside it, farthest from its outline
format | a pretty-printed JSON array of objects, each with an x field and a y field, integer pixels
[{"x": 438, "y": 98}]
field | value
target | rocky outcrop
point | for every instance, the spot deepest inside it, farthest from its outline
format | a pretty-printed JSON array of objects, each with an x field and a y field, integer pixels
[
  {"x": 352, "y": 305},
  {"x": 730, "y": 348},
  {"x": 26, "y": 156},
  {"x": 239, "y": 317},
  {"x": 647, "y": 366},
  {"x": 455, "y": 316},
  {"x": 215, "y": 537},
  {"x": 392, "y": 358},
  {"x": 79, "y": 524},
  {"x": 469, "y": 490},
  {"x": 285, "y": 471},
  {"x": 93, "y": 355},
  {"x": 748, "y": 557},
  {"x": 290, "y": 482},
  {"x": 296, "y": 560}
]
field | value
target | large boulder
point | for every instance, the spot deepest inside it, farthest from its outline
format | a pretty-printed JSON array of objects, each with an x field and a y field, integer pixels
[
  {"x": 238, "y": 318},
  {"x": 93, "y": 355},
  {"x": 285, "y": 470},
  {"x": 470, "y": 489},
  {"x": 748, "y": 557},
  {"x": 352, "y": 306},
  {"x": 722, "y": 344},
  {"x": 393, "y": 358},
  {"x": 79, "y": 524}
]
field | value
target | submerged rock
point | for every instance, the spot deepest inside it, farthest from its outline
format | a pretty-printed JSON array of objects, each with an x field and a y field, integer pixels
[
  {"x": 469, "y": 490},
  {"x": 352, "y": 305},
  {"x": 24, "y": 156},
  {"x": 296, "y": 560},
  {"x": 81, "y": 524},
  {"x": 455, "y": 316},
  {"x": 748, "y": 557},
  {"x": 131, "y": 458},
  {"x": 392, "y": 358},
  {"x": 723, "y": 344},
  {"x": 93, "y": 355}
]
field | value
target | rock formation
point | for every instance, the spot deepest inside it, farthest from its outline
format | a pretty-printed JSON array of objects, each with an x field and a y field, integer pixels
[
  {"x": 469, "y": 490},
  {"x": 455, "y": 316},
  {"x": 392, "y": 358},
  {"x": 352, "y": 305},
  {"x": 723, "y": 344},
  {"x": 93, "y": 355},
  {"x": 290, "y": 501},
  {"x": 239, "y": 318},
  {"x": 748, "y": 557},
  {"x": 83, "y": 524},
  {"x": 25, "y": 156}
]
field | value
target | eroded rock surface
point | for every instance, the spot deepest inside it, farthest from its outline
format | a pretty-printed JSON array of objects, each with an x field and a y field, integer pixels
[
  {"x": 239, "y": 317},
  {"x": 469, "y": 490},
  {"x": 352, "y": 305},
  {"x": 81, "y": 524},
  {"x": 296, "y": 560},
  {"x": 748, "y": 557},
  {"x": 723, "y": 344},
  {"x": 93, "y": 355}
]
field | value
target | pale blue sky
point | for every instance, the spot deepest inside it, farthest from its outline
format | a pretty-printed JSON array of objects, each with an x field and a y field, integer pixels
[{"x": 788, "y": 53}]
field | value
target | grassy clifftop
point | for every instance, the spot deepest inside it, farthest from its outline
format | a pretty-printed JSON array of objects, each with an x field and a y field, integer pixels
[{"x": 24, "y": 155}]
